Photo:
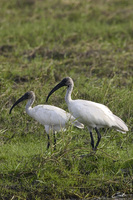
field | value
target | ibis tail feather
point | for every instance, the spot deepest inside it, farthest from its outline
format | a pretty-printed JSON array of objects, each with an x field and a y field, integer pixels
[{"x": 120, "y": 125}]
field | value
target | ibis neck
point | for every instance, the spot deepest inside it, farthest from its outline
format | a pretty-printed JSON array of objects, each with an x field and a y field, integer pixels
[
  {"x": 68, "y": 94},
  {"x": 29, "y": 104}
]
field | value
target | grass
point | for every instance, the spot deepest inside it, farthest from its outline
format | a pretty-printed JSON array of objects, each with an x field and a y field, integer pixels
[{"x": 42, "y": 42}]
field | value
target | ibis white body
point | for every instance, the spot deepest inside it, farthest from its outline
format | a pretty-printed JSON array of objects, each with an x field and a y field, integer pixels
[
  {"x": 93, "y": 115},
  {"x": 52, "y": 117}
]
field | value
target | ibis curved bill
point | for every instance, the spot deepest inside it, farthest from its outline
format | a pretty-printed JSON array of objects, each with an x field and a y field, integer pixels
[
  {"x": 93, "y": 115},
  {"x": 53, "y": 118}
]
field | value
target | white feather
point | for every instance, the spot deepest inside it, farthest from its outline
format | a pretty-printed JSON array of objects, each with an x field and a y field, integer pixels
[
  {"x": 95, "y": 115},
  {"x": 52, "y": 116}
]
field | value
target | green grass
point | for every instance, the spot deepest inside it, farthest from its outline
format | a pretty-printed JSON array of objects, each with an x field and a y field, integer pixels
[{"x": 41, "y": 42}]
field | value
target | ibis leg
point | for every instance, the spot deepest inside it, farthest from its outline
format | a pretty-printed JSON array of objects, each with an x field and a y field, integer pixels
[
  {"x": 48, "y": 142},
  {"x": 54, "y": 141},
  {"x": 92, "y": 140},
  {"x": 99, "y": 138}
]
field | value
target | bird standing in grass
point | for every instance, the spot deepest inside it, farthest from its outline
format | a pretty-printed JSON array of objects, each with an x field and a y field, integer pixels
[
  {"x": 53, "y": 118},
  {"x": 91, "y": 114}
]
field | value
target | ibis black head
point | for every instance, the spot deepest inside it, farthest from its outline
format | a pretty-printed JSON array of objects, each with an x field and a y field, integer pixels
[
  {"x": 27, "y": 95},
  {"x": 65, "y": 82}
]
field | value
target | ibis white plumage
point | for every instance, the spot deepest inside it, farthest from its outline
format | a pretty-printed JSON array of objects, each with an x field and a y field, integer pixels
[
  {"x": 93, "y": 115},
  {"x": 53, "y": 118}
]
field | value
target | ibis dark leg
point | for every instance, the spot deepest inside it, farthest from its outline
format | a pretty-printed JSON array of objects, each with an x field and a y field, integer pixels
[
  {"x": 48, "y": 142},
  {"x": 92, "y": 140},
  {"x": 54, "y": 141},
  {"x": 99, "y": 138}
]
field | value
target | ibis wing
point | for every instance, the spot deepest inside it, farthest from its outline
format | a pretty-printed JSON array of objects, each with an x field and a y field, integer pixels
[
  {"x": 52, "y": 115},
  {"x": 49, "y": 115},
  {"x": 92, "y": 114}
]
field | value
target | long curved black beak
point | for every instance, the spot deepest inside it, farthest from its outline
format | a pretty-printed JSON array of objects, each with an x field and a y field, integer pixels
[
  {"x": 24, "y": 97},
  {"x": 59, "y": 85}
]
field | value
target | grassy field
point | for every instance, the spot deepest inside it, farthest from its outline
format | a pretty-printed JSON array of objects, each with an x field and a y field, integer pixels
[{"x": 41, "y": 42}]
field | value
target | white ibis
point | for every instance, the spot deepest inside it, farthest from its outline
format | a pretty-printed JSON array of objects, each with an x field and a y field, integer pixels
[
  {"x": 53, "y": 118},
  {"x": 91, "y": 114}
]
